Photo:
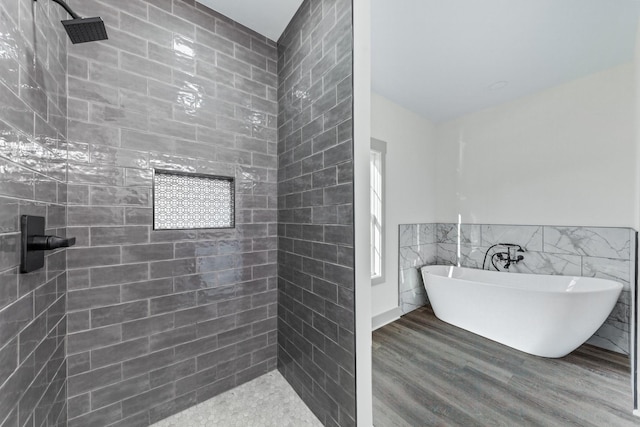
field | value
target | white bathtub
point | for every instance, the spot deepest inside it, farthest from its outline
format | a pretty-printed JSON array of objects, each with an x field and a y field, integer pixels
[{"x": 544, "y": 315}]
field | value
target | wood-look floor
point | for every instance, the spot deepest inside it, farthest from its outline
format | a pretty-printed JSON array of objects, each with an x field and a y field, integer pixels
[{"x": 429, "y": 373}]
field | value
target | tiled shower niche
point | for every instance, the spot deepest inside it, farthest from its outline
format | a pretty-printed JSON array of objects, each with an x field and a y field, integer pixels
[
  {"x": 603, "y": 252},
  {"x": 188, "y": 201}
]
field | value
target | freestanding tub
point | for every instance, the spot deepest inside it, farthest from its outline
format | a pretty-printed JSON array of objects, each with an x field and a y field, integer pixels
[{"x": 544, "y": 315}]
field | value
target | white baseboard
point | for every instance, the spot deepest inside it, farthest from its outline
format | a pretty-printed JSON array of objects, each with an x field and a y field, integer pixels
[
  {"x": 385, "y": 318},
  {"x": 636, "y": 412}
]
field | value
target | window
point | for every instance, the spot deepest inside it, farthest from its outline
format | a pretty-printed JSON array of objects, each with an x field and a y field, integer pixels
[
  {"x": 190, "y": 201},
  {"x": 378, "y": 150}
]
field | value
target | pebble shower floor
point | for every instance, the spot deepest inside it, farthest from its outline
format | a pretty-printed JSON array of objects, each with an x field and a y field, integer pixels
[{"x": 267, "y": 401}]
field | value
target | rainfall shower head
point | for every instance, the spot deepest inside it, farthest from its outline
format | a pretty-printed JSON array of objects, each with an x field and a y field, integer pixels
[{"x": 82, "y": 30}]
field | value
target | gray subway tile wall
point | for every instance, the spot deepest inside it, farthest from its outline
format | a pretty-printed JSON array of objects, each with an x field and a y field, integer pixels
[
  {"x": 161, "y": 320},
  {"x": 132, "y": 325},
  {"x": 315, "y": 210},
  {"x": 33, "y": 114}
]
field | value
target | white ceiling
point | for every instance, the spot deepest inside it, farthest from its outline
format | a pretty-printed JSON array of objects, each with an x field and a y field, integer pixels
[
  {"x": 267, "y": 17},
  {"x": 439, "y": 57}
]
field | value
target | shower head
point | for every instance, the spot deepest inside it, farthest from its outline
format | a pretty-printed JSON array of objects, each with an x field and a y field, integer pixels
[{"x": 82, "y": 30}]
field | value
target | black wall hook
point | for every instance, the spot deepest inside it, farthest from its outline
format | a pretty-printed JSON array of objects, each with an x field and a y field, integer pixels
[{"x": 35, "y": 242}]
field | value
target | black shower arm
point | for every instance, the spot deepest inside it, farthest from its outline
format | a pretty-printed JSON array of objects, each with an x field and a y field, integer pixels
[{"x": 67, "y": 8}]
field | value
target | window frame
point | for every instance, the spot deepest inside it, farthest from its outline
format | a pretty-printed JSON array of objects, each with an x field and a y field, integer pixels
[{"x": 380, "y": 147}]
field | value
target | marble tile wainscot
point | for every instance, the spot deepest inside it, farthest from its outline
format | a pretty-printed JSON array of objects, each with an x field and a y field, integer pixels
[
  {"x": 603, "y": 252},
  {"x": 418, "y": 246}
]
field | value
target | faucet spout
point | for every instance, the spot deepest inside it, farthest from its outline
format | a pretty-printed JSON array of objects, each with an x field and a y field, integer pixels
[
  {"x": 513, "y": 255},
  {"x": 508, "y": 258}
]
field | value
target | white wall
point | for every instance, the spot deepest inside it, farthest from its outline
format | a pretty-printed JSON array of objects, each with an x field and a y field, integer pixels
[
  {"x": 361, "y": 137},
  {"x": 410, "y": 184},
  {"x": 565, "y": 156}
]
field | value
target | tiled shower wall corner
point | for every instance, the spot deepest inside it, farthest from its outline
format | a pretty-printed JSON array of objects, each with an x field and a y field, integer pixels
[
  {"x": 315, "y": 210},
  {"x": 161, "y": 320},
  {"x": 603, "y": 252},
  {"x": 32, "y": 182}
]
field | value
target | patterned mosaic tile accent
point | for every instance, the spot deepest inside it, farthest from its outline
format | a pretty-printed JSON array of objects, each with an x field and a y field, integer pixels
[
  {"x": 267, "y": 401},
  {"x": 192, "y": 201}
]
